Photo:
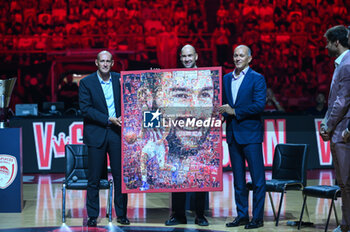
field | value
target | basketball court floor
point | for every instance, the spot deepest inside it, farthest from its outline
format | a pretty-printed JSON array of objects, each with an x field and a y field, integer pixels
[{"x": 147, "y": 212}]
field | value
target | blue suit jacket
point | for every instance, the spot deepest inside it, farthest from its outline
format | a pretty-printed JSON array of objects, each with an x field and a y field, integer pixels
[
  {"x": 246, "y": 127},
  {"x": 92, "y": 103}
]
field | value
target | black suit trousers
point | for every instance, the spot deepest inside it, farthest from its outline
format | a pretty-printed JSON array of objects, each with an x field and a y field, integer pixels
[
  {"x": 178, "y": 201},
  {"x": 97, "y": 158}
]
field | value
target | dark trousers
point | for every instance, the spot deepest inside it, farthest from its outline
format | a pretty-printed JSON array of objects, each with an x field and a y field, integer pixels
[
  {"x": 341, "y": 162},
  {"x": 254, "y": 156},
  {"x": 97, "y": 157},
  {"x": 178, "y": 201}
]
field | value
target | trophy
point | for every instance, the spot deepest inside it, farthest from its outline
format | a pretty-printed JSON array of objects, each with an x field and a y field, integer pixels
[{"x": 6, "y": 87}]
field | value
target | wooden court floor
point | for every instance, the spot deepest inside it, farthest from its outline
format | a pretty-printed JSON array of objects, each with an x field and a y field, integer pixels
[{"x": 147, "y": 212}]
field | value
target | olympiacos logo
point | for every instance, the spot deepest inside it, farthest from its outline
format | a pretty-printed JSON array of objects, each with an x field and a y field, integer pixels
[{"x": 8, "y": 170}]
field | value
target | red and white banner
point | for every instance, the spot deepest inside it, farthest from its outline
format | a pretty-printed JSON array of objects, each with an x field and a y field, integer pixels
[
  {"x": 324, "y": 147},
  {"x": 44, "y": 140},
  {"x": 49, "y": 146}
]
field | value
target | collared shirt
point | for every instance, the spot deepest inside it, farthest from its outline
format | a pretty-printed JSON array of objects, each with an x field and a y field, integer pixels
[
  {"x": 337, "y": 62},
  {"x": 107, "y": 88},
  {"x": 236, "y": 82},
  {"x": 340, "y": 58}
]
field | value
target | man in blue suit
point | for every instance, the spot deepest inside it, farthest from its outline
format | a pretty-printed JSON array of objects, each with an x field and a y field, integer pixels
[
  {"x": 244, "y": 97},
  {"x": 99, "y": 101}
]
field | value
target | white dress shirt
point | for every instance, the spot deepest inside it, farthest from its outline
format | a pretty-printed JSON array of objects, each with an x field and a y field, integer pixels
[
  {"x": 337, "y": 62},
  {"x": 236, "y": 82},
  {"x": 107, "y": 88}
]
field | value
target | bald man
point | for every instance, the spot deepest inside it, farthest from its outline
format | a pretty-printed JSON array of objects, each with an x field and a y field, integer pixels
[
  {"x": 99, "y": 101},
  {"x": 244, "y": 96},
  {"x": 188, "y": 58}
]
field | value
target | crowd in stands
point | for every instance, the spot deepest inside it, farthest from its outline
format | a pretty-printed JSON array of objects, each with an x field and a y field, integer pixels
[{"x": 286, "y": 36}]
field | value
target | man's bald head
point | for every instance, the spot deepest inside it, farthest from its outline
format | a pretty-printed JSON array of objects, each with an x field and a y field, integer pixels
[
  {"x": 246, "y": 48},
  {"x": 242, "y": 56},
  {"x": 188, "y": 56},
  {"x": 104, "y": 63},
  {"x": 104, "y": 52},
  {"x": 188, "y": 47}
]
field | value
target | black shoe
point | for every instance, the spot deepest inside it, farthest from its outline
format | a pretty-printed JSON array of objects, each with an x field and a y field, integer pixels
[
  {"x": 238, "y": 222},
  {"x": 175, "y": 221},
  {"x": 201, "y": 221},
  {"x": 92, "y": 222},
  {"x": 123, "y": 220},
  {"x": 254, "y": 224}
]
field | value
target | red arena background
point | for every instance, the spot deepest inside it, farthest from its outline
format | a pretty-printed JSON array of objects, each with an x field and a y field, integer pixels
[
  {"x": 49, "y": 46},
  {"x": 42, "y": 42}
]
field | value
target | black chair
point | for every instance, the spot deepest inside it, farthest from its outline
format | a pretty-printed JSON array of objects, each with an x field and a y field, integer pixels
[
  {"x": 321, "y": 191},
  {"x": 76, "y": 176},
  {"x": 288, "y": 172}
]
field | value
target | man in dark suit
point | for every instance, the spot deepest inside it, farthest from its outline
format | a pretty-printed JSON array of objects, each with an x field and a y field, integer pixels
[
  {"x": 188, "y": 58},
  {"x": 337, "y": 116},
  {"x": 244, "y": 96},
  {"x": 99, "y": 101}
]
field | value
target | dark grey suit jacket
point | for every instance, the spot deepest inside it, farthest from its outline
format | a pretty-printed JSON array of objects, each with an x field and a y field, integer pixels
[{"x": 337, "y": 117}]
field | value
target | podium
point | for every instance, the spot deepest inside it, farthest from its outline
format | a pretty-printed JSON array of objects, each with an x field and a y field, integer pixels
[{"x": 11, "y": 190}]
